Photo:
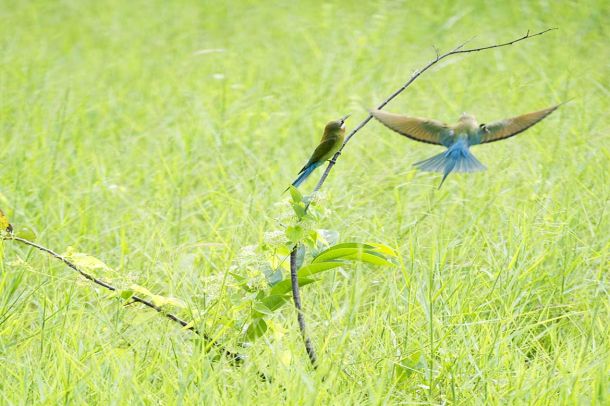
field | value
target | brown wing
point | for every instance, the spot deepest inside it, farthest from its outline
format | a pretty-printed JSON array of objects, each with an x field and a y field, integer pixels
[
  {"x": 418, "y": 129},
  {"x": 503, "y": 129}
]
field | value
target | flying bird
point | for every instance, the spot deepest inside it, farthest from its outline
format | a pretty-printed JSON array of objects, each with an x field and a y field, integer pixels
[
  {"x": 334, "y": 134},
  {"x": 457, "y": 138}
]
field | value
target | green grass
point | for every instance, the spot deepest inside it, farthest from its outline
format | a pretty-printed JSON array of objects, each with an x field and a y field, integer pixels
[{"x": 122, "y": 140}]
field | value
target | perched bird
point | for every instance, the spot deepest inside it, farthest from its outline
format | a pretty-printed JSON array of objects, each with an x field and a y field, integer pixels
[
  {"x": 457, "y": 138},
  {"x": 334, "y": 134}
]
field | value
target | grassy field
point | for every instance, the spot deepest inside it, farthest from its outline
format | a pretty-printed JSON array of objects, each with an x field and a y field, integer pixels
[{"x": 159, "y": 136}]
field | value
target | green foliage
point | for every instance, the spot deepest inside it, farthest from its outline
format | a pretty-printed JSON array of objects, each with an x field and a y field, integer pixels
[
  {"x": 158, "y": 136},
  {"x": 256, "y": 328},
  {"x": 26, "y": 233},
  {"x": 266, "y": 299},
  {"x": 86, "y": 262},
  {"x": 317, "y": 252}
]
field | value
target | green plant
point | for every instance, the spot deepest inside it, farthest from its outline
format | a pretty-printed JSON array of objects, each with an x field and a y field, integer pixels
[{"x": 318, "y": 251}]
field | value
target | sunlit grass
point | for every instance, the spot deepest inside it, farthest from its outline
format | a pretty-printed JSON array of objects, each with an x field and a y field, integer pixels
[{"x": 125, "y": 137}]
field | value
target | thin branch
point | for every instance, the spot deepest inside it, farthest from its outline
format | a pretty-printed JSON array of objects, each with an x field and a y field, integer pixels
[
  {"x": 294, "y": 278},
  {"x": 235, "y": 358},
  {"x": 457, "y": 50}
]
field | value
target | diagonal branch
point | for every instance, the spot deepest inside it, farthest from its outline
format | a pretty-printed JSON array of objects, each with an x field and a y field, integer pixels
[
  {"x": 235, "y": 358},
  {"x": 293, "y": 271}
]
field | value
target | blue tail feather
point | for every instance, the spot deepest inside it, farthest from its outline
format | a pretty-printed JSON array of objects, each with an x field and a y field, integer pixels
[
  {"x": 457, "y": 158},
  {"x": 305, "y": 173}
]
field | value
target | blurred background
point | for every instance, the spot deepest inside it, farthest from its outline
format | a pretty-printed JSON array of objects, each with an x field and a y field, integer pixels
[{"x": 159, "y": 136}]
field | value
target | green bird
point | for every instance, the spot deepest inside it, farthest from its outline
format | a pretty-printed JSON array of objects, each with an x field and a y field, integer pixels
[
  {"x": 334, "y": 135},
  {"x": 457, "y": 138}
]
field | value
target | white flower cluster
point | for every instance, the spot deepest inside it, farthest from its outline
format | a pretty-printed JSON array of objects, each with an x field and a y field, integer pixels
[
  {"x": 275, "y": 238},
  {"x": 249, "y": 264}
]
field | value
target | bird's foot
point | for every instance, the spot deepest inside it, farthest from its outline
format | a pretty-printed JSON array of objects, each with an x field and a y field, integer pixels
[{"x": 333, "y": 160}]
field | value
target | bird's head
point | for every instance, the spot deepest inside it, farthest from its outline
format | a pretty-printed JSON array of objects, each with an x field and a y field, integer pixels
[
  {"x": 467, "y": 117},
  {"x": 336, "y": 125},
  {"x": 468, "y": 120}
]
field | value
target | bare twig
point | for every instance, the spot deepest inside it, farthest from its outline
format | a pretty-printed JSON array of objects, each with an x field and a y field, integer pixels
[
  {"x": 457, "y": 50},
  {"x": 235, "y": 358},
  {"x": 294, "y": 278}
]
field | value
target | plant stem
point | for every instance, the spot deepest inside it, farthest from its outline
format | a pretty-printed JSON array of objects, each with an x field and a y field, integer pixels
[{"x": 296, "y": 295}]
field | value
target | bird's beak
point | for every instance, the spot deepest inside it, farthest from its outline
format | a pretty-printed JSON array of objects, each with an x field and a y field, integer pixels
[{"x": 342, "y": 120}]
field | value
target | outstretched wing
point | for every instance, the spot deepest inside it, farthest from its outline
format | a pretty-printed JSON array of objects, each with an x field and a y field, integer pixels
[
  {"x": 418, "y": 129},
  {"x": 509, "y": 127}
]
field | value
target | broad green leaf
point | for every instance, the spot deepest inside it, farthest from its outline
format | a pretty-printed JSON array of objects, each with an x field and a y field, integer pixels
[
  {"x": 297, "y": 202},
  {"x": 168, "y": 301},
  {"x": 282, "y": 251},
  {"x": 261, "y": 308},
  {"x": 352, "y": 245},
  {"x": 126, "y": 293},
  {"x": 285, "y": 286},
  {"x": 141, "y": 290},
  {"x": 274, "y": 302},
  {"x": 239, "y": 278},
  {"x": 337, "y": 253},
  {"x": 299, "y": 209},
  {"x": 279, "y": 262},
  {"x": 257, "y": 328},
  {"x": 158, "y": 301},
  {"x": 26, "y": 233},
  {"x": 295, "y": 233},
  {"x": 309, "y": 240},
  {"x": 85, "y": 261},
  {"x": 369, "y": 258},
  {"x": 356, "y": 251},
  {"x": 384, "y": 249},
  {"x": 296, "y": 195},
  {"x": 318, "y": 267},
  {"x": 267, "y": 305}
]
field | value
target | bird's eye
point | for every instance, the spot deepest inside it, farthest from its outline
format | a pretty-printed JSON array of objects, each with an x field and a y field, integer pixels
[{"x": 481, "y": 125}]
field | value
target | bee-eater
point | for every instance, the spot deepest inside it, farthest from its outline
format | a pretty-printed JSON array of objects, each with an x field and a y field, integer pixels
[
  {"x": 457, "y": 138},
  {"x": 334, "y": 135}
]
